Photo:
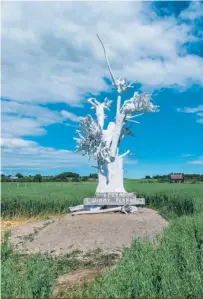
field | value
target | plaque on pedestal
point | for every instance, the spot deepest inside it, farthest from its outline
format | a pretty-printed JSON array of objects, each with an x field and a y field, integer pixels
[{"x": 113, "y": 199}]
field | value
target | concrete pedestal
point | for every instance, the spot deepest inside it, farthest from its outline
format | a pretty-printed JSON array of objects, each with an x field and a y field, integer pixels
[{"x": 113, "y": 199}]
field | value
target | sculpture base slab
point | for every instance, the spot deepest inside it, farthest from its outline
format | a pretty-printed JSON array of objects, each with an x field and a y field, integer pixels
[{"x": 113, "y": 199}]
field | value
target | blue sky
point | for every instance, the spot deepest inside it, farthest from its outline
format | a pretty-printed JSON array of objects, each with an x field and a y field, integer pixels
[{"x": 52, "y": 63}]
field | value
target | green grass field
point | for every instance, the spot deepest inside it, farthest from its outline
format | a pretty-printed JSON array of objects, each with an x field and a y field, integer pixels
[
  {"x": 32, "y": 199},
  {"x": 173, "y": 268}
]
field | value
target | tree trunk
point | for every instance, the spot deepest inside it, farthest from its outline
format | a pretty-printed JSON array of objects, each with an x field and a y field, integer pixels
[
  {"x": 111, "y": 176},
  {"x": 117, "y": 134}
]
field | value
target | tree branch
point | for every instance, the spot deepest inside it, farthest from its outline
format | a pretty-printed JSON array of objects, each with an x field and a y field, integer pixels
[
  {"x": 109, "y": 67},
  {"x": 125, "y": 154},
  {"x": 134, "y": 121}
]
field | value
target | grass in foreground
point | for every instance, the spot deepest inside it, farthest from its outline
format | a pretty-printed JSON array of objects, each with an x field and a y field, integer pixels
[
  {"x": 33, "y": 276},
  {"x": 172, "y": 268}
]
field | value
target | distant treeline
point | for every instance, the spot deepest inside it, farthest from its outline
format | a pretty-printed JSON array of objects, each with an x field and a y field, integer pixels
[
  {"x": 62, "y": 177},
  {"x": 75, "y": 177},
  {"x": 165, "y": 178}
]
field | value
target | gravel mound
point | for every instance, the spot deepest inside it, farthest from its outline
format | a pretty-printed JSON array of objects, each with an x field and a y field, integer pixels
[{"x": 109, "y": 232}]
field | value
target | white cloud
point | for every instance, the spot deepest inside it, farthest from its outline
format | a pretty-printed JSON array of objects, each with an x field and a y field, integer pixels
[
  {"x": 69, "y": 115},
  {"x": 59, "y": 59},
  {"x": 22, "y": 154},
  {"x": 13, "y": 126},
  {"x": 23, "y": 119},
  {"x": 198, "y": 161},
  {"x": 28, "y": 155},
  {"x": 16, "y": 143},
  {"x": 194, "y": 11},
  {"x": 43, "y": 114},
  {"x": 191, "y": 110},
  {"x": 200, "y": 120},
  {"x": 186, "y": 155},
  {"x": 129, "y": 161},
  {"x": 194, "y": 110}
]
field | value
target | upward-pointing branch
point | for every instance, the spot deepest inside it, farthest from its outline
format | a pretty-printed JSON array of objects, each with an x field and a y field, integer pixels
[
  {"x": 109, "y": 67},
  {"x": 125, "y": 154}
]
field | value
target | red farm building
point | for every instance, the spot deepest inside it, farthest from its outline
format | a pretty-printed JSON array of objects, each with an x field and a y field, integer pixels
[{"x": 176, "y": 178}]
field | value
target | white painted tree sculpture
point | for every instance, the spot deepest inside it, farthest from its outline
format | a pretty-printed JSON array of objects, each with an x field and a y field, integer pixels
[{"x": 103, "y": 145}]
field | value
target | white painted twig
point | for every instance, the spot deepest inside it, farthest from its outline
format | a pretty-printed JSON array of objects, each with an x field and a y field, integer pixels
[
  {"x": 133, "y": 116},
  {"x": 94, "y": 166},
  {"x": 76, "y": 208},
  {"x": 130, "y": 85},
  {"x": 118, "y": 106},
  {"x": 108, "y": 64},
  {"x": 134, "y": 121},
  {"x": 133, "y": 210},
  {"x": 125, "y": 154},
  {"x": 117, "y": 209}
]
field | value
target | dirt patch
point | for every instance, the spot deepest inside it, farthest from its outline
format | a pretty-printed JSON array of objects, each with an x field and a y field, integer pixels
[
  {"x": 109, "y": 232},
  {"x": 7, "y": 224},
  {"x": 77, "y": 277},
  {"x": 66, "y": 282}
]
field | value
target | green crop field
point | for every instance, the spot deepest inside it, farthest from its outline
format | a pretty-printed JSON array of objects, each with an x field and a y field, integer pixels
[
  {"x": 172, "y": 267},
  {"x": 31, "y": 199}
]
